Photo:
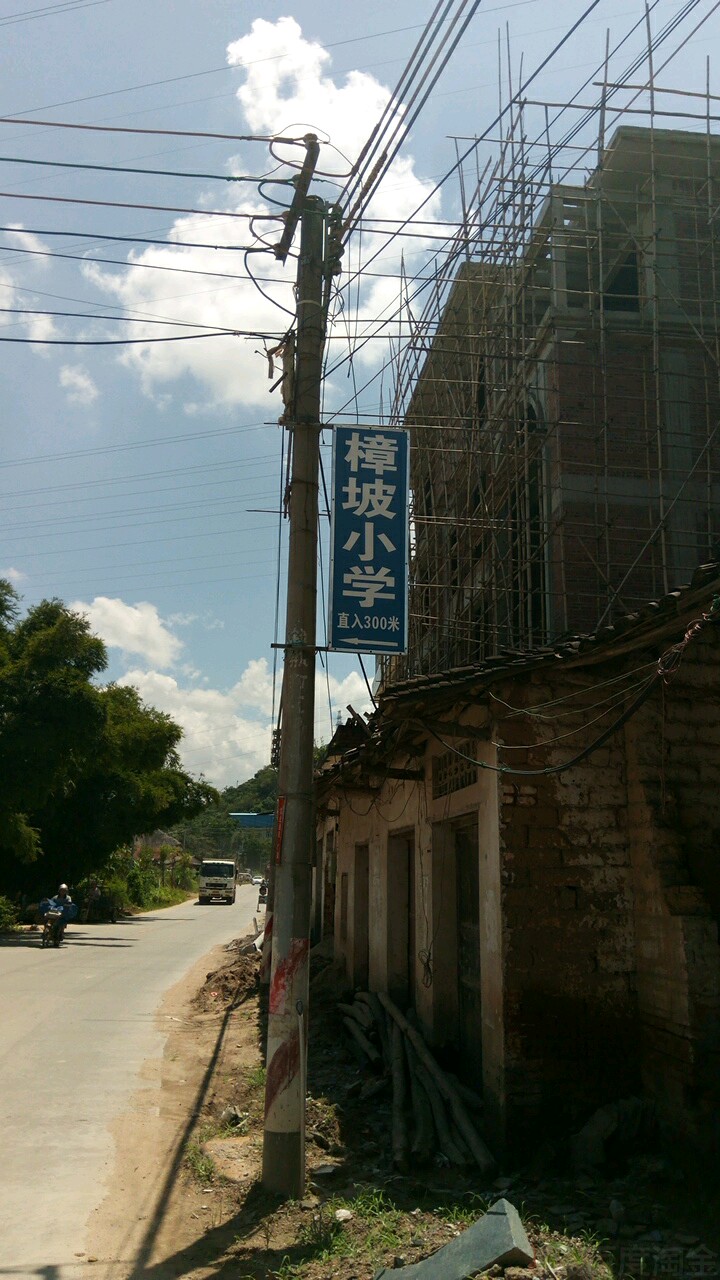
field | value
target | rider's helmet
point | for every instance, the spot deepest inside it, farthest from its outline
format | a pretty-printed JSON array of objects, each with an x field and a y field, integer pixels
[{"x": 63, "y": 888}]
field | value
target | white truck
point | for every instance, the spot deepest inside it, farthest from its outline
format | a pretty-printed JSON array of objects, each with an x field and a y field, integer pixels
[{"x": 217, "y": 880}]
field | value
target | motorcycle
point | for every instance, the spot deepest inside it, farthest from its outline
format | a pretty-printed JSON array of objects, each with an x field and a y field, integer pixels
[
  {"x": 54, "y": 919},
  {"x": 53, "y": 928}
]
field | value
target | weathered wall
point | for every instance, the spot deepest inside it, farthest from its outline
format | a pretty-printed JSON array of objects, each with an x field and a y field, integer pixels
[
  {"x": 567, "y": 918},
  {"x": 673, "y": 748},
  {"x": 599, "y": 894}
]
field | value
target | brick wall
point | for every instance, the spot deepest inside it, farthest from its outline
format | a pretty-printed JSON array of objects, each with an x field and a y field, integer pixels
[
  {"x": 611, "y": 898},
  {"x": 568, "y": 930},
  {"x": 674, "y": 758}
]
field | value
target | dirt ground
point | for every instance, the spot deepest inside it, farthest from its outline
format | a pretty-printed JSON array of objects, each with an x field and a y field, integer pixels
[{"x": 186, "y": 1198}]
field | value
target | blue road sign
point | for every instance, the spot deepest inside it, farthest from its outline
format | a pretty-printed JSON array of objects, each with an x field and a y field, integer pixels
[{"x": 369, "y": 540}]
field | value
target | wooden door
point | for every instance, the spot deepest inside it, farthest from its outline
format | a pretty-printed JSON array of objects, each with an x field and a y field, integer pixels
[{"x": 468, "y": 930}]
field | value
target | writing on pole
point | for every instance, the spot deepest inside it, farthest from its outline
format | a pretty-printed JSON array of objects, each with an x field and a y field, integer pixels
[{"x": 369, "y": 540}]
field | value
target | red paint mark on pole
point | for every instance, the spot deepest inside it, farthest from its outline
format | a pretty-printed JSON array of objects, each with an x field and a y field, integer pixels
[
  {"x": 285, "y": 973},
  {"x": 282, "y": 1069},
  {"x": 280, "y": 829}
]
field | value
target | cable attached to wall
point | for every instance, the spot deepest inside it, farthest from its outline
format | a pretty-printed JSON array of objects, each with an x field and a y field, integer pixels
[{"x": 667, "y": 667}]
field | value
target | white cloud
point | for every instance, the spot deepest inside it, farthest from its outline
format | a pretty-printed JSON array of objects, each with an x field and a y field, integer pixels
[
  {"x": 205, "y": 620},
  {"x": 27, "y": 325},
  {"x": 227, "y": 732},
  {"x": 79, "y": 385},
  {"x": 16, "y": 576},
  {"x": 254, "y": 688},
  {"x": 287, "y": 87},
  {"x": 23, "y": 239},
  {"x": 134, "y": 629},
  {"x": 220, "y": 740}
]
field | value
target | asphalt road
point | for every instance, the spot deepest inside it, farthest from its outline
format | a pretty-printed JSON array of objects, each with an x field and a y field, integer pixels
[{"x": 76, "y": 1026}]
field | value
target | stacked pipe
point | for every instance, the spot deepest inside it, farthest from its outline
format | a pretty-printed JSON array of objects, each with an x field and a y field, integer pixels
[{"x": 431, "y": 1111}]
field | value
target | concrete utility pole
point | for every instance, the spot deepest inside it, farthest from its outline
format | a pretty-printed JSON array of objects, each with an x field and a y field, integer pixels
[{"x": 284, "y": 1137}]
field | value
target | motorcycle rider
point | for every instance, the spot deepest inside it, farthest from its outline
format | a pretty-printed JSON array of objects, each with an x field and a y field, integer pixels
[{"x": 61, "y": 902}]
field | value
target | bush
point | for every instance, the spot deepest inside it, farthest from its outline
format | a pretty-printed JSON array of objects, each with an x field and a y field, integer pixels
[
  {"x": 185, "y": 877},
  {"x": 8, "y": 915},
  {"x": 139, "y": 881},
  {"x": 141, "y": 884}
]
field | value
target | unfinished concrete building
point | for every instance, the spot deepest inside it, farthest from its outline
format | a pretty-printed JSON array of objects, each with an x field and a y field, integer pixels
[{"x": 563, "y": 403}]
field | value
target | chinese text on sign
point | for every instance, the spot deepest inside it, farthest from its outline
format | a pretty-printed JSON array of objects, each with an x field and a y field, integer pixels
[{"x": 369, "y": 568}]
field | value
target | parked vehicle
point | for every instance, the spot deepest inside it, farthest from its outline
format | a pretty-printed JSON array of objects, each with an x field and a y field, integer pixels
[
  {"x": 98, "y": 906},
  {"x": 217, "y": 880}
]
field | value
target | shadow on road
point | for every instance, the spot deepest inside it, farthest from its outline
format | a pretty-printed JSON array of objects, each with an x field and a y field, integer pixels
[
  {"x": 90, "y": 939},
  {"x": 72, "y": 939},
  {"x": 141, "y": 1269},
  {"x": 51, "y": 1271}
]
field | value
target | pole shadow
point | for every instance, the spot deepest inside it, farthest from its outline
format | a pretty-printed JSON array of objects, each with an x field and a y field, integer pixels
[{"x": 141, "y": 1268}]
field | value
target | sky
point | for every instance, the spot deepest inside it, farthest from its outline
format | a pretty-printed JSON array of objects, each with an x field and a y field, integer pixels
[{"x": 141, "y": 483}]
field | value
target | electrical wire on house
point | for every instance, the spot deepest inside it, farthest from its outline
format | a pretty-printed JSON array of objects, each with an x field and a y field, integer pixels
[
  {"x": 666, "y": 668},
  {"x": 535, "y": 711}
]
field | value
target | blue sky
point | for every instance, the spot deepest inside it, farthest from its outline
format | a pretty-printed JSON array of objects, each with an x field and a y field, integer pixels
[{"x": 142, "y": 483}]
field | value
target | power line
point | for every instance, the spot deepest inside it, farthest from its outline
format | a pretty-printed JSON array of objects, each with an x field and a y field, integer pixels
[
  {"x": 130, "y": 319},
  {"x": 153, "y": 173},
  {"x": 127, "y": 342},
  {"x": 494, "y": 123},
  {"x": 158, "y": 266},
  {"x": 225, "y": 67},
  {"x": 153, "y": 208},
  {"x": 142, "y": 542},
  {"x": 157, "y": 441},
  {"x": 210, "y": 507},
  {"x": 171, "y": 133},
  {"x": 193, "y": 470},
  {"x": 166, "y": 244},
  {"x": 49, "y": 11}
]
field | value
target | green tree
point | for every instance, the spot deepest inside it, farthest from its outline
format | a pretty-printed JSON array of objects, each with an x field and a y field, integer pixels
[
  {"x": 51, "y": 716},
  {"x": 215, "y": 833},
  {"x": 257, "y": 795},
  {"x": 133, "y": 784},
  {"x": 84, "y": 768}
]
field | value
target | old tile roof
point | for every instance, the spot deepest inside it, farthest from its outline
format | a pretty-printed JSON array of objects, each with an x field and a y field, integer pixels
[
  {"x": 629, "y": 631},
  {"x": 658, "y": 621}
]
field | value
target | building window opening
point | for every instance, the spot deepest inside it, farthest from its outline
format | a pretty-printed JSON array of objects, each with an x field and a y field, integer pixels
[
  {"x": 481, "y": 395},
  {"x": 622, "y": 290}
]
